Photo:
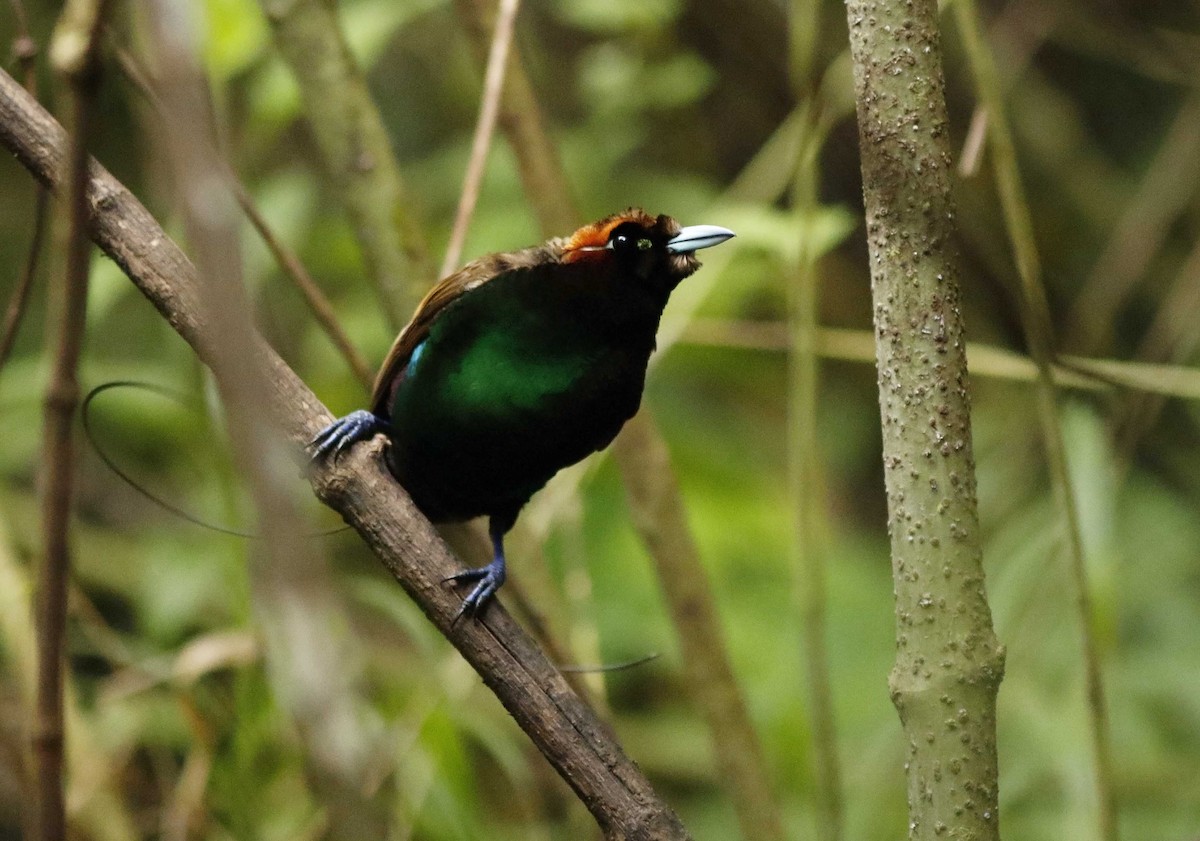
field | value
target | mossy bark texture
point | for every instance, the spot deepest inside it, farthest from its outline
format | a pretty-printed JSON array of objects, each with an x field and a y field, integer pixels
[{"x": 948, "y": 663}]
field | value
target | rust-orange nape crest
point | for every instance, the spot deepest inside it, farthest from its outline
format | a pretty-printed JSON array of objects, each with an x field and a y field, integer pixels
[{"x": 590, "y": 241}]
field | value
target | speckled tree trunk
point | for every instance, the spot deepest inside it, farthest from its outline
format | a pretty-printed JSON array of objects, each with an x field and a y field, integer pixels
[{"x": 948, "y": 661}]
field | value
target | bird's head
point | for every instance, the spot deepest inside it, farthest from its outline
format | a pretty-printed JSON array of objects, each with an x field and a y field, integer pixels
[{"x": 655, "y": 251}]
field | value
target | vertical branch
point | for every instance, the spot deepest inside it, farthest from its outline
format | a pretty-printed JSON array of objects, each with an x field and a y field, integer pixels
[
  {"x": 948, "y": 662},
  {"x": 355, "y": 150},
  {"x": 493, "y": 85},
  {"x": 657, "y": 509},
  {"x": 805, "y": 474},
  {"x": 1039, "y": 335},
  {"x": 74, "y": 53}
]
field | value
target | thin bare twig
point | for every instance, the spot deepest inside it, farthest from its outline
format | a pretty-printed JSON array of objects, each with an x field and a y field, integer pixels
[
  {"x": 493, "y": 86},
  {"x": 973, "y": 146},
  {"x": 805, "y": 470},
  {"x": 293, "y": 268},
  {"x": 524, "y": 126},
  {"x": 75, "y": 55}
]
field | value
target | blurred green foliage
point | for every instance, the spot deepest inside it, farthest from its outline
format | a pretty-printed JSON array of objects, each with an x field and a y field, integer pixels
[{"x": 658, "y": 104}]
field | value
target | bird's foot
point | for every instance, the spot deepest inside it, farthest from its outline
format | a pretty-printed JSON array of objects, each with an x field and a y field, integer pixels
[
  {"x": 487, "y": 581},
  {"x": 357, "y": 426}
]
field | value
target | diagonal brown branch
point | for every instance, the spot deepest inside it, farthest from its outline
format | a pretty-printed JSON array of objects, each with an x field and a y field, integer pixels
[{"x": 580, "y": 746}]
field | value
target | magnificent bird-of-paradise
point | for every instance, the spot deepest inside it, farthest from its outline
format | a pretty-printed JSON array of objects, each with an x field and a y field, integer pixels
[{"x": 518, "y": 365}]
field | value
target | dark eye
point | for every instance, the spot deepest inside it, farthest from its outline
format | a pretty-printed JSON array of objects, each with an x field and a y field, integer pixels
[{"x": 629, "y": 242}]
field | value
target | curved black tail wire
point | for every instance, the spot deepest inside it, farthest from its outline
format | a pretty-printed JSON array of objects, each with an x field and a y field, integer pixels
[{"x": 162, "y": 391}]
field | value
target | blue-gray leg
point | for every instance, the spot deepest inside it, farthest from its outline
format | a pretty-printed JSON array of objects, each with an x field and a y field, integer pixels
[
  {"x": 488, "y": 578},
  {"x": 354, "y": 427}
]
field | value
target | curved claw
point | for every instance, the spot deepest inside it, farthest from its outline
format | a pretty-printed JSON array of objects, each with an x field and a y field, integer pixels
[
  {"x": 357, "y": 426},
  {"x": 488, "y": 578}
]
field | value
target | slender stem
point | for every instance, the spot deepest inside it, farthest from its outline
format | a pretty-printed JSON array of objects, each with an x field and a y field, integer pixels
[
  {"x": 524, "y": 125},
  {"x": 805, "y": 474},
  {"x": 1039, "y": 335},
  {"x": 318, "y": 304},
  {"x": 808, "y": 497},
  {"x": 656, "y": 505},
  {"x": 493, "y": 85},
  {"x": 74, "y": 54}
]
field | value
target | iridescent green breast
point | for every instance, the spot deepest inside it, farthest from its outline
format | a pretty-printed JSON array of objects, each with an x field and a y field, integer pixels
[
  {"x": 508, "y": 370},
  {"x": 516, "y": 380}
]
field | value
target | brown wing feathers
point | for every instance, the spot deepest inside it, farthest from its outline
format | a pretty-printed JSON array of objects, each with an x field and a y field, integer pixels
[{"x": 444, "y": 293}]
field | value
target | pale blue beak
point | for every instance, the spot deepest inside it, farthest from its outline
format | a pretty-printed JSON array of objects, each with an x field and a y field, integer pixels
[{"x": 695, "y": 237}]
